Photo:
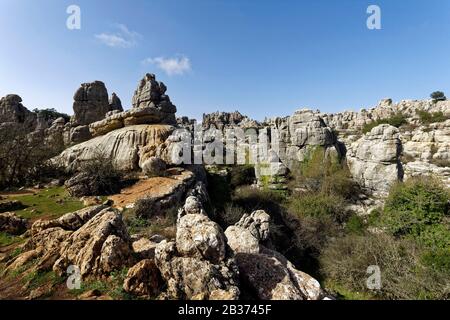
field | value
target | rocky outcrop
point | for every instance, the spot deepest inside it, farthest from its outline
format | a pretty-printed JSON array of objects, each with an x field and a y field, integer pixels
[
  {"x": 374, "y": 160},
  {"x": 90, "y": 103},
  {"x": 195, "y": 266},
  {"x": 94, "y": 239},
  {"x": 13, "y": 112},
  {"x": 268, "y": 273},
  {"x": 115, "y": 104},
  {"x": 128, "y": 147},
  {"x": 223, "y": 120},
  {"x": 12, "y": 224}
]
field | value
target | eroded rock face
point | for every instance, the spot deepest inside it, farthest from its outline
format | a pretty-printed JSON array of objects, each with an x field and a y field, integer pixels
[
  {"x": 115, "y": 105},
  {"x": 152, "y": 94},
  {"x": 246, "y": 234},
  {"x": 199, "y": 237},
  {"x": 195, "y": 279},
  {"x": 374, "y": 160}
]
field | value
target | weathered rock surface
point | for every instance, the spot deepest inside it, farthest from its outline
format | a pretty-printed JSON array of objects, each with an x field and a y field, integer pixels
[
  {"x": 12, "y": 224},
  {"x": 90, "y": 103},
  {"x": 246, "y": 234},
  {"x": 129, "y": 147},
  {"x": 268, "y": 273},
  {"x": 195, "y": 266},
  {"x": 143, "y": 279},
  {"x": 374, "y": 160},
  {"x": 199, "y": 237},
  {"x": 154, "y": 167},
  {"x": 13, "y": 112},
  {"x": 94, "y": 239}
]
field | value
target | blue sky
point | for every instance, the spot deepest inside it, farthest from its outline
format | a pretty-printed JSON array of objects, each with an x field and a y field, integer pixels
[{"x": 263, "y": 58}]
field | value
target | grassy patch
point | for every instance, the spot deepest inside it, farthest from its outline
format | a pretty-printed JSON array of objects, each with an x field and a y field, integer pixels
[
  {"x": 111, "y": 286},
  {"x": 51, "y": 203},
  {"x": 6, "y": 239},
  {"x": 431, "y": 117}
]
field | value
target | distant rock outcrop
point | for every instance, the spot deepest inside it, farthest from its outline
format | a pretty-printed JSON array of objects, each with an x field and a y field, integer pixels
[
  {"x": 374, "y": 160},
  {"x": 13, "y": 112}
]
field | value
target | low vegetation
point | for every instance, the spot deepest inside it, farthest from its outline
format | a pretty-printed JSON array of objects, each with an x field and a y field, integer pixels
[
  {"x": 431, "y": 117},
  {"x": 51, "y": 202},
  {"x": 396, "y": 120},
  {"x": 413, "y": 251}
]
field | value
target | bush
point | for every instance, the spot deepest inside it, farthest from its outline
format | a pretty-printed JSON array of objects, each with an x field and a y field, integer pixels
[
  {"x": 414, "y": 205},
  {"x": 96, "y": 176},
  {"x": 242, "y": 175},
  {"x": 326, "y": 174},
  {"x": 438, "y": 96},
  {"x": 344, "y": 263},
  {"x": 319, "y": 205},
  {"x": 428, "y": 117},
  {"x": 396, "y": 120}
]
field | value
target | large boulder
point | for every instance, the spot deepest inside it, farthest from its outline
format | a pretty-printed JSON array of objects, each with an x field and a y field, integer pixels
[
  {"x": 246, "y": 234},
  {"x": 199, "y": 237},
  {"x": 374, "y": 160},
  {"x": 267, "y": 273},
  {"x": 94, "y": 239}
]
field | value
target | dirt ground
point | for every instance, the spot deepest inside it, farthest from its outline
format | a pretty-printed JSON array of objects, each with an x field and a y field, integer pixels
[{"x": 157, "y": 187}]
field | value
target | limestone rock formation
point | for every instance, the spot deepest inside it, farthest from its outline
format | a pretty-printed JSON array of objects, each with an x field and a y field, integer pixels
[
  {"x": 152, "y": 94},
  {"x": 90, "y": 103},
  {"x": 115, "y": 104},
  {"x": 246, "y": 235},
  {"x": 95, "y": 239},
  {"x": 223, "y": 120},
  {"x": 12, "y": 112},
  {"x": 195, "y": 266},
  {"x": 143, "y": 279},
  {"x": 374, "y": 160},
  {"x": 267, "y": 272},
  {"x": 129, "y": 147}
]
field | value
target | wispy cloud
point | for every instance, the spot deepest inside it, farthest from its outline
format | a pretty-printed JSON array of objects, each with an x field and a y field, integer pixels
[
  {"x": 172, "y": 66},
  {"x": 122, "y": 38}
]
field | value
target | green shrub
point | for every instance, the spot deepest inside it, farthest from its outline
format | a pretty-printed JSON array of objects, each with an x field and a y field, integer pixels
[
  {"x": 344, "y": 262},
  {"x": 326, "y": 174},
  {"x": 415, "y": 204},
  {"x": 319, "y": 205},
  {"x": 396, "y": 120},
  {"x": 355, "y": 225},
  {"x": 428, "y": 117}
]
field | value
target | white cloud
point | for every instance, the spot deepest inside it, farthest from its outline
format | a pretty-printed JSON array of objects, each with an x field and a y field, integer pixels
[
  {"x": 123, "y": 38},
  {"x": 171, "y": 66}
]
